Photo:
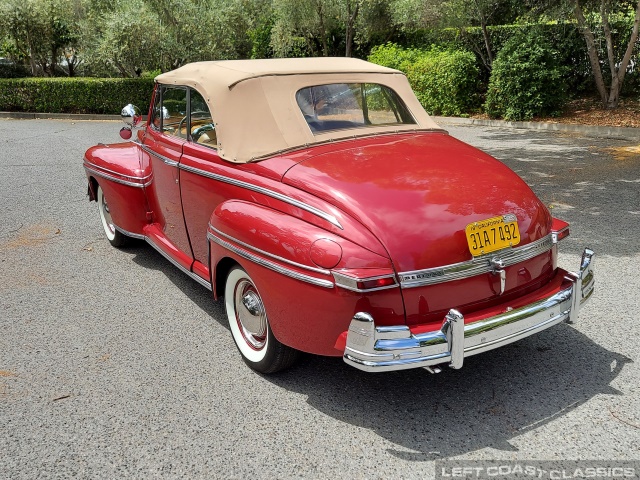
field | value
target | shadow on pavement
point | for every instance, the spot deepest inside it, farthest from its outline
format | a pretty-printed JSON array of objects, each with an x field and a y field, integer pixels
[
  {"x": 495, "y": 397},
  {"x": 147, "y": 257}
]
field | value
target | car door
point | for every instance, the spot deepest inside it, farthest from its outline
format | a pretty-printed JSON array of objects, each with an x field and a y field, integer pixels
[
  {"x": 164, "y": 143},
  {"x": 200, "y": 193}
]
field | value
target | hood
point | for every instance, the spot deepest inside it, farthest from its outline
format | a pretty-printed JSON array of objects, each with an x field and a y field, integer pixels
[{"x": 416, "y": 193}]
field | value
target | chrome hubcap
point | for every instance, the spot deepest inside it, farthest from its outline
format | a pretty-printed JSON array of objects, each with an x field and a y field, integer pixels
[{"x": 250, "y": 314}]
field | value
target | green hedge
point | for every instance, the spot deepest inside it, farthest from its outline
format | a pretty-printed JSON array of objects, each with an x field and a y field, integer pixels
[
  {"x": 74, "y": 95},
  {"x": 444, "y": 80}
]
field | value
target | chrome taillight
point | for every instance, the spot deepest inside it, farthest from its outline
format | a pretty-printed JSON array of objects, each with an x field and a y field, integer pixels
[{"x": 355, "y": 282}]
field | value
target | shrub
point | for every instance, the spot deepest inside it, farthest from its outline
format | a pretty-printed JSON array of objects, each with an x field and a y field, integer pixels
[
  {"x": 527, "y": 80},
  {"x": 74, "y": 95},
  {"x": 392, "y": 55},
  {"x": 444, "y": 80},
  {"x": 564, "y": 36}
]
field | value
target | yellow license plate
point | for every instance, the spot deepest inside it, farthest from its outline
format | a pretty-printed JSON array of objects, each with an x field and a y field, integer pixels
[{"x": 496, "y": 233}]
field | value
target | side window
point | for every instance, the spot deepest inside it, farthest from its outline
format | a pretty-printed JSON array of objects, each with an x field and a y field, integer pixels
[
  {"x": 202, "y": 127},
  {"x": 174, "y": 111}
]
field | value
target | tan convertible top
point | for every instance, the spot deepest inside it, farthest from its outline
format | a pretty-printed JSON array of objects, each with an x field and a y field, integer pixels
[{"x": 253, "y": 102}]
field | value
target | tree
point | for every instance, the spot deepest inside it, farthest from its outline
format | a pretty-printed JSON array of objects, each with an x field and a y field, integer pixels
[
  {"x": 309, "y": 20},
  {"x": 41, "y": 33},
  {"x": 593, "y": 18},
  {"x": 26, "y": 28},
  {"x": 323, "y": 25},
  {"x": 617, "y": 66},
  {"x": 128, "y": 37},
  {"x": 460, "y": 14},
  {"x": 365, "y": 20}
]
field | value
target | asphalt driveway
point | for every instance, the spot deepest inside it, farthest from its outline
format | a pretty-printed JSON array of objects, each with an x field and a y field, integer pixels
[{"x": 113, "y": 364}]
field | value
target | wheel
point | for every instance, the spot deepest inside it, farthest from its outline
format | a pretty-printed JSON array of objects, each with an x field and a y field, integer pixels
[
  {"x": 115, "y": 238},
  {"x": 250, "y": 326}
]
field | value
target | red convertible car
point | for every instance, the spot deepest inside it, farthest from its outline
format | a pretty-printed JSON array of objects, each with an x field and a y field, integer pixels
[{"x": 318, "y": 198}]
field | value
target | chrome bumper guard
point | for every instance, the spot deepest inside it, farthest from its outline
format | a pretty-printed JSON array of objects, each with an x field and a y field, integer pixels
[{"x": 382, "y": 349}]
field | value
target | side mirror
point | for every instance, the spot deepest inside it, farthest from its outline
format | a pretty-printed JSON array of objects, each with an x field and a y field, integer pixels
[{"x": 131, "y": 115}]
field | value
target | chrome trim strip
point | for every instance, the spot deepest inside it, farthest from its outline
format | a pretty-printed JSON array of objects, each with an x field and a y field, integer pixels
[
  {"x": 139, "y": 236},
  {"x": 351, "y": 283},
  {"x": 168, "y": 161},
  {"x": 189, "y": 273},
  {"x": 291, "y": 201},
  {"x": 476, "y": 266},
  {"x": 132, "y": 177},
  {"x": 275, "y": 257},
  {"x": 118, "y": 180},
  {"x": 266, "y": 263}
]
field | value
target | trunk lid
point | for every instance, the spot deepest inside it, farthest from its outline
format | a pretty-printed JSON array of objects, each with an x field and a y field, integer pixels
[{"x": 417, "y": 193}]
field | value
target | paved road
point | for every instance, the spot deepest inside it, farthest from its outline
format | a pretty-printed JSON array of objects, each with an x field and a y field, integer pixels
[{"x": 113, "y": 364}]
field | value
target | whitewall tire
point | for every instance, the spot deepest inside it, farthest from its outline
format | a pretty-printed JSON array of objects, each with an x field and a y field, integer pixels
[
  {"x": 116, "y": 238},
  {"x": 250, "y": 328}
]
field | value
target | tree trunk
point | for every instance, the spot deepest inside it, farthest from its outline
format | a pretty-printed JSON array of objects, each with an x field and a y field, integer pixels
[
  {"x": 123, "y": 70},
  {"x": 32, "y": 64},
  {"x": 618, "y": 71},
  {"x": 591, "y": 50},
  {"x": 54, "y": 61},
  {"x": 487, "y": 44},
  {"x": 32, "y": 61},
  {"x": 607, "y": 36},
  {"x": 323, "y": 30},
  {"x": 617, "y": 78},
  {"x": 477, "y": 49},
  {"x": 351, "y": 21},
  {"x": 349, "y": 42},
  {"x": 481, "y": 14}
]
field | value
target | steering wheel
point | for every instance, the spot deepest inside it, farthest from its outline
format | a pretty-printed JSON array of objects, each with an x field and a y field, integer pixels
[{"x": 197, "y": 133}]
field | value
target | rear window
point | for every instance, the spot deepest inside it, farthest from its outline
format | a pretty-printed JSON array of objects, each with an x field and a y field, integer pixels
[{"x": 338, "y": 106}]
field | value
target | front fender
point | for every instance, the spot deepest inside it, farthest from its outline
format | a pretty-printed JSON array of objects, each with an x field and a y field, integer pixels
[
  {"x": 118, "y": 170},
  {"x": 284, "y": 257}
]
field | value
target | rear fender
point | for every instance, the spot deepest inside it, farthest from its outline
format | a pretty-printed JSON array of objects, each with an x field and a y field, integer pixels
[{"x": 291, "y": 263}]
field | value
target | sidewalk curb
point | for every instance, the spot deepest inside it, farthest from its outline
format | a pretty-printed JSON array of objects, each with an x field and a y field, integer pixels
[
  {"x": 57, "y": 116},
  {"x": 627, "y": 133}
]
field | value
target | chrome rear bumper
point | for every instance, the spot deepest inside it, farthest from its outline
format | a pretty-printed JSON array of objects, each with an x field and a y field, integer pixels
[{"x": 381, "y": 349}]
